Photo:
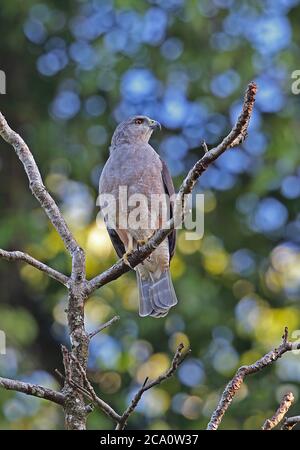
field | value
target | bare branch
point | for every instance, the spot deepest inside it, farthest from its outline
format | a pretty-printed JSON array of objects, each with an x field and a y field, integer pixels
[
  {"x": 234, "y": 385},
  {"x": 283, "y": 408},
  {"x": 88, "y": 391},
  {"x": 36, "y": 184},
  {"x": 91, "y": 394},
  {"x": 33, "y": 389},
  {"x": 79, "y": 388},
  {"x": 75, "y": 416},
  {"x": 177, "y": 360},
  {"x": 235, "y": 137},
  {"x": 204, "y": 146},
  {"x": 75, "y": 385},
  {"x": 290, "y": 422},
  {"x": 105, "y": 325},
  {"x": 20, "y": 256}
]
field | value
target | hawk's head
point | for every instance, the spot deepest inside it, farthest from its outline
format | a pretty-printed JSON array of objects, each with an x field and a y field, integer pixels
[{"x": 135, "y": 129}]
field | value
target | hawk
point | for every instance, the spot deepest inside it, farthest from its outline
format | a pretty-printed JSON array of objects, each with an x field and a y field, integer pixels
[{"x": 135, "y": 166}]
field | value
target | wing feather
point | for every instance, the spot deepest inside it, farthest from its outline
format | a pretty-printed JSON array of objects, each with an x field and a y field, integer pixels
[
  {"x": 169, "y": 189},
  {"x": 116, "y": 242}
]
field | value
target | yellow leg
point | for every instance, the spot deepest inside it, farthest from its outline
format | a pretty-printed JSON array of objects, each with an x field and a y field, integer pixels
[
  {"x": 128, "y": 251},
  {"x": 141, "y": 242}
]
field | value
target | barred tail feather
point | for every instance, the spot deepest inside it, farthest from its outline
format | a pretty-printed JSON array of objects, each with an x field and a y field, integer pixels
[
  {"x": 144, "y": 296},
  {"x": 156, "y": 296}
]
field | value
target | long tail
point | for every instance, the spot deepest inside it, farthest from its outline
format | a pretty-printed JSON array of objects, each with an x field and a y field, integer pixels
[{"x": 156, "y": 296}]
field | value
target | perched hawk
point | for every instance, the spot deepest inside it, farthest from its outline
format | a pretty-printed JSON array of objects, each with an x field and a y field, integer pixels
[{"x": 134, "y": 165}]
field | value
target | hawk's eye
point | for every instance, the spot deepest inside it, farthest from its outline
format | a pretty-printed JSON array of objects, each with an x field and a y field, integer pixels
[{"x": 138, "y": 121}]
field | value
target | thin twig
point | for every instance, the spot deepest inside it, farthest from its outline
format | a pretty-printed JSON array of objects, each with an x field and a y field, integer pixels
[
  {"x": 105, "y": 325},
  {"x": 91, "y": 394},
  {"x": 20, "y": 256},
  {"x": 234, "y": 385},
  {"x": 33, "y": 389},
  {"x": 235, "y": 137},
  {"x": 74, "y": 384},
  {"x": 204, "y": 146},
  {"x": 290, "y": 422},
  {"x": 177, "y": 360},
  {"x": 283, "y": 408}
]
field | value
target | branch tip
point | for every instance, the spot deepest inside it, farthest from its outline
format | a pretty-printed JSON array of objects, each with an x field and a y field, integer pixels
[
  {"x": 236, "y": 382},
  {"x": 285, "y": 335},
  {"x": 285, "y": 404},
  {"x": 204, "y": 146},
  {"x": 105, "y": 325}
]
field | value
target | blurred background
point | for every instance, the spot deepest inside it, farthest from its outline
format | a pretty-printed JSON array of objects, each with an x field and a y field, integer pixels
[{"x": 74, "y": 69}]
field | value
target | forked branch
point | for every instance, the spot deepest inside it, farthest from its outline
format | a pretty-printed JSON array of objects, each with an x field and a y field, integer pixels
[
  {"x": 234, "y": 385},
  {"x": 88, "y": 391},
  {"x": 283, "y": 408},
  {"x": 177, "y": 360}
]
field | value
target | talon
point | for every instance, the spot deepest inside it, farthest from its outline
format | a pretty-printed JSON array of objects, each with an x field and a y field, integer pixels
[
  {"x": 141, "y": 242},
  {"x": 125, "y": 259}
]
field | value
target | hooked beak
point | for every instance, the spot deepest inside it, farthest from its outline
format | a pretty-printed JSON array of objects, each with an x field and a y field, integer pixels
[{"x": 155, "y": 125}]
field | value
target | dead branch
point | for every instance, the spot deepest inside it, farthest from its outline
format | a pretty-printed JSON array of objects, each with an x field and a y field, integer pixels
[
  {"x": 105, "y": 325},
  {"x": 88, "y": 391},
  {"x": 290, "y": 422},
  {"x": 177, "y": 360},
  {"x": 283, "y": 408},
  {"x": 33, "y": 389},
  {"x": 234, "y": 385},
  {"x": 20, "y": 256},
  {"x": 107, "y": 409}
]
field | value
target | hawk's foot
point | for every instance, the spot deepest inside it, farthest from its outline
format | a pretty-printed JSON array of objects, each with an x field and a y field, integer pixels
[
  {"x": 142, "y": 242},
  {"x": 125, "y": 258}
]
